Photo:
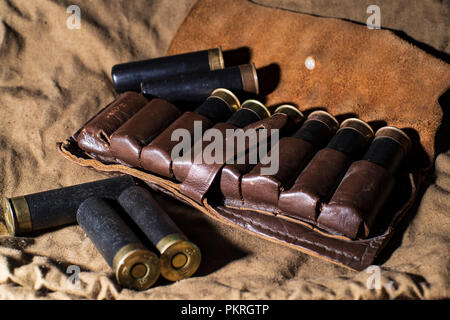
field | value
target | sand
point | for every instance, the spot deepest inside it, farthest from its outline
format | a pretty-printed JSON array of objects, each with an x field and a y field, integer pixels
[{"x": 52, "y": 79}]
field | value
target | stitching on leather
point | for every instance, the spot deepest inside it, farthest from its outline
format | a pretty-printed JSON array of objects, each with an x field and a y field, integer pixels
[{"x": 342, "y": 253}]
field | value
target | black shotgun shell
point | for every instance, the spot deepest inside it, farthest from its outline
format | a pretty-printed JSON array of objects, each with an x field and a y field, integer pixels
[
  {"x": 256, "y": 107},
  {"x": 128, "y": 76},
  {"x": 388, "y": 148},
  {"x": 291, "y": 111},
  {"x": 318, "y": 128},
  {"x": 56, "y": 207},
  {"x": 133, "y": 264},
  {"x": 196, "y": 87},
  {"x": 352, "y": 137},
  {"x": 250, "y": 111},
  {"x": 180, "y": 258},
  {"x": 295, "y": 117},
  {"x": 219, "y": 106}
]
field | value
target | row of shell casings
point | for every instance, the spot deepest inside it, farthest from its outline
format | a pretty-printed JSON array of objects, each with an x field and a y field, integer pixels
[
  {"x": 337, "y": 177},
  {"x": 139, "y": 133},
  {"x": 123, "y": 221},
  {"x": 243, "y": 185},
  {"x": 192, "y": 76},
  {"x": 187, "y": 77}
]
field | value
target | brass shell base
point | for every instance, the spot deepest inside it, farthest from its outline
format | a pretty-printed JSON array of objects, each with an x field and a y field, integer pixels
[
  {"x": 228, "y": 97},
  {"x": 136, "y": 267},
  {"x": 358, "y": 125},
  {"x": 296, "y": 115},
  {"x": 249, "y": 78},
  {"x": 325, "y": 118},
  {"x": 16, "y": 215},
  {"x": 180, "y": 258},
  {"x": 215, "y": 57},
  {"x": 395, "y": 134},
  {"x": 257, "y": 107},
  {"x": 3, "y": 230}
]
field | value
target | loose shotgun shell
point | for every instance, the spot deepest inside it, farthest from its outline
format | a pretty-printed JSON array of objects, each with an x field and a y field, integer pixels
[
  {"x": 196, "y": 87},
  {"x": 128, "y": 76},
  {"x": 180, "y": 258},
  {"x": 134, "y": 266},
  {"x": 56, "y": 207}
]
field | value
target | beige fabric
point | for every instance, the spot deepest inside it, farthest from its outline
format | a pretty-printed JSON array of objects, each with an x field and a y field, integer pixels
[{"x": 53, "y": 79}]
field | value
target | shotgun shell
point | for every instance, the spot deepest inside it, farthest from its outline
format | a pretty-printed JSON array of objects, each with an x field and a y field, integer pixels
[
  {"x": 388, "y": 148},
  {"x": 250, "y": 111},
  {"x": 134, "y": 266},
  {"x": 219, "y": 106},
  {"x": 366, "y": 186},
  {"x": 292, "y": 112},
  {"x": 257, "y": 107},
  {"x": 180, "y": 258},
  {"x": 318, "y": 128},
  {"x": 56, "y": 207},
  {"x": 294, "y": 118},
  {"x": 196, "y": 87},
  {"x": 352, "y": 137},
  {"x": 128, "y": 76}
]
